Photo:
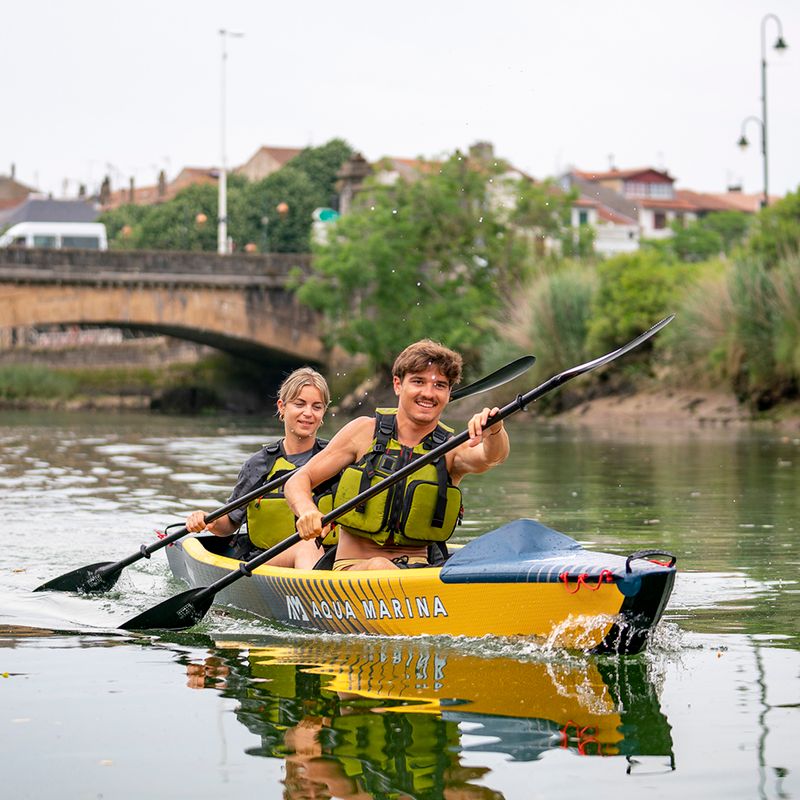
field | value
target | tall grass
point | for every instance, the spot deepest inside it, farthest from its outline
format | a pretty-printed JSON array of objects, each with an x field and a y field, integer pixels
[
  {"x": 699, "y": 346},
  {"x": 740, "y": 329},
  {"x": 787, "y": 318},
  {"x": 550, "y": 317}
]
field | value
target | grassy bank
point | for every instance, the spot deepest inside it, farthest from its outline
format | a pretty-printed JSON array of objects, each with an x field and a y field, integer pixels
[{"x": 216, "y": 382}]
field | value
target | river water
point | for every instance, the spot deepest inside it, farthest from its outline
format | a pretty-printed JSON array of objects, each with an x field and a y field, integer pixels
[{"x": 239, "y": 705}]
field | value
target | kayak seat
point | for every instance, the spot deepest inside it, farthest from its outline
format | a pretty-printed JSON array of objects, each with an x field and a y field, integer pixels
[{"x": 326, "y": 561}]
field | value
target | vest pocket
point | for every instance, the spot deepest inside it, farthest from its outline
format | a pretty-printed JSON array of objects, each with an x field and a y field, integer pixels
[
  {"x": 419, "y": 503},
  {"x": 368, "y": 517},
  {"x": 269, "y": 521}
]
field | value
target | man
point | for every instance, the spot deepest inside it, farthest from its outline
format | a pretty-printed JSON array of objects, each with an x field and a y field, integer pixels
[{"x": 395, "y": 528}]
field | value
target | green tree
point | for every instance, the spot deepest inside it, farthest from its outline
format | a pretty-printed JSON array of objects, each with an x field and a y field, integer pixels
[
  {"x": 731, "y": 226},
  {"x": 775, "y": 234},
  {"x": 694, "y": 241},
  {"x": 321, "y": 165},
  {"x": 429, "y": 257},
  {"x": 276, "y": 211}
]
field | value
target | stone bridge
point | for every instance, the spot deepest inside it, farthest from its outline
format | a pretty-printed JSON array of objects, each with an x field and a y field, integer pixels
[{"x": 241, "y": 304}]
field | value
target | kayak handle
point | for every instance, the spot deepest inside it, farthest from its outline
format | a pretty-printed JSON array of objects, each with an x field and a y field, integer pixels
[{"x": 647, "y": 554}]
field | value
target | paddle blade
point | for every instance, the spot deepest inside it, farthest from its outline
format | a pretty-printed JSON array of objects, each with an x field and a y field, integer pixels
[
  {"x": 497, "y": 378},
  {"x": 89, "y": 580},
  {"x": 175, "y": 614}
]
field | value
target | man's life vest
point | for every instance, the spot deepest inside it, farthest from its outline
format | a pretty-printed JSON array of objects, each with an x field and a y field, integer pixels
[
  {"x": 424, "y": 508},
  {"x": 269, "y": 518}
]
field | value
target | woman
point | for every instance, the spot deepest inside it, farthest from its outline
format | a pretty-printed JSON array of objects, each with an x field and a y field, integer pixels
[{"x": 302, "y": 400}]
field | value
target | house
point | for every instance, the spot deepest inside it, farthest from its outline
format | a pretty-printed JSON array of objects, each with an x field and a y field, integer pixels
[
  {"x": 626, "y": 206},
  {"x": 644, "y": 197},
  {"x": 12, "y": 192},
  {"x": 267, "y": 160},
  {"x": 42, "y": 209},
  {"x": 732, "y": 200}
]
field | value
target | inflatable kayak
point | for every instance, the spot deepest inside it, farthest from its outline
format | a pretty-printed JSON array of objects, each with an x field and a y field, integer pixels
[{"x": 522, "y": 579}]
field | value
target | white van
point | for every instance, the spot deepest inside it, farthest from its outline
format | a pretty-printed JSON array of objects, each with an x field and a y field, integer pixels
[{"x": 55, "y": 235}]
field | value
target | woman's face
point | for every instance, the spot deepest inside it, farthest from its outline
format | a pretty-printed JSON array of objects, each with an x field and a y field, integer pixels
[{"x": 303, "y": 415}]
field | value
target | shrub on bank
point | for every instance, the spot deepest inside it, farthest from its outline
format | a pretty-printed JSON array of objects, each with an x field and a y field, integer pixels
[
  {"x": 738, "y": 327},
  {"x": 633, "y": 292}
]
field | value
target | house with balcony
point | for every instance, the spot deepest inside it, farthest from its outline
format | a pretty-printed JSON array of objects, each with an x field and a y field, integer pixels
[{"x": 630, "y": 205}]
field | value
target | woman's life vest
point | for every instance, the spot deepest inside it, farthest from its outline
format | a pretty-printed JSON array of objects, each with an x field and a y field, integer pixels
[
  {"x": 269, "y": 518},
  {"x": 424, "y": 508}
]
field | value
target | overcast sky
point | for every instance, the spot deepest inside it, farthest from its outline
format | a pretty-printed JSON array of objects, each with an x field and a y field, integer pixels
[{"x": 131, "y": 88}]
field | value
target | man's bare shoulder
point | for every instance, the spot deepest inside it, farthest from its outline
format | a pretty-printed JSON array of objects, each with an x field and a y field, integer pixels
[{"x": 356, "y": 435}]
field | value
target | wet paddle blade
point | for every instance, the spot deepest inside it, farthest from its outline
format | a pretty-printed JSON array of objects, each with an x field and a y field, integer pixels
[
  {"x": 89, "y": 580},
  {"x": 497, "y": 378},
  {"x": 174, "y": 614}
]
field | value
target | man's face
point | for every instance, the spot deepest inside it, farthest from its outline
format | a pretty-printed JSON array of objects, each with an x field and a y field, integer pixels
[{"x": 423, "y": 395}]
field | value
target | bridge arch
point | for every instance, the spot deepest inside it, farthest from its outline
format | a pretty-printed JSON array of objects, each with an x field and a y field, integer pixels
[{"x": 244, "y": 306}]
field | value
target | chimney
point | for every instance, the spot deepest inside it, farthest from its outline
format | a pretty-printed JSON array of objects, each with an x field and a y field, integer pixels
[
  {"x": 162, "y": 183},
  {"x": 131, "y": 192},
  {"x": 13, "y": 171},
  {"x": 482, "y": 151}
]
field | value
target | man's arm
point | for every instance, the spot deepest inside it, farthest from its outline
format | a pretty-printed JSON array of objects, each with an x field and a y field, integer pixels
[
  {"x": 486, "y": 448},
  {"x": 346, "y": 447}
]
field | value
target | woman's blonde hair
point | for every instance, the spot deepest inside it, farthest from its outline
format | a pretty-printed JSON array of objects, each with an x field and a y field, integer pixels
[{"x": 295, "y": 382}]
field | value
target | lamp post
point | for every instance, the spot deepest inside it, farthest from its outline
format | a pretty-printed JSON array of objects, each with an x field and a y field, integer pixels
[
  {"x": 222, "y": 228},
  {"x": 780, "y": 46}
]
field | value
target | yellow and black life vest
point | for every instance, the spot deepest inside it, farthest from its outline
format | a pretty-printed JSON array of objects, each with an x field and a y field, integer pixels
[
  {"x": 269, "y": 518},
  {"x": 424, "y": 508}
]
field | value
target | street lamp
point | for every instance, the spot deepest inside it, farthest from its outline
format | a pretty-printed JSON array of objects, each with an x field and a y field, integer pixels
[
  {"x": 780, "y": 45},
  {"x": 743, "y": 142},
  {"x": 222, "y": 229}
]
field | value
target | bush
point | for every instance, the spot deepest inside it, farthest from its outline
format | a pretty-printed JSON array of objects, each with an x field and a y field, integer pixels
[{"x": 634, "y": 291}]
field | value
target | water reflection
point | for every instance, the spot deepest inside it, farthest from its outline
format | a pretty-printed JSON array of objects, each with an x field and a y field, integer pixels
[{"x": 354, "y": 718}]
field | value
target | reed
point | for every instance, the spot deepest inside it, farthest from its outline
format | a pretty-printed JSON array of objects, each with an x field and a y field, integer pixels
[
  {"x": 786, "y": 279},
  {"x": 550, "y": 317},
  {"x": 699, "y": 348}
]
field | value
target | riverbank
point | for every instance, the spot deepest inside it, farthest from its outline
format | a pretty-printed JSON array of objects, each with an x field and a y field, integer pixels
[{"x": 677, "y": 408}]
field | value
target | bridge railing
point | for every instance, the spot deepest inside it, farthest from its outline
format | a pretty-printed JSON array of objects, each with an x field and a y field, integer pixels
[{"x": 277, "y": 265}]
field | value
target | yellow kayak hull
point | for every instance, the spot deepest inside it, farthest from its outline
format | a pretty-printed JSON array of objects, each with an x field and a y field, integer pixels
[{"x": 550, "y": 594}]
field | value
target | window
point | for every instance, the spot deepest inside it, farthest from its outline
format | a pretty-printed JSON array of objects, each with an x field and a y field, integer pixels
[
  {"x": 86, "y": 242},
  {"x": 583, "y": 217},
  {"x": 44, "y": 241},
  {"x": 661, "y": 190},
  {"x": 636, "y": 189},
  {"x": 659, "y": 220}
]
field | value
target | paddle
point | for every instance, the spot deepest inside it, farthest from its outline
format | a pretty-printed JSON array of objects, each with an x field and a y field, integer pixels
[
  {"x": 100, "y": 577},
  {"x": 189, "y": 607}
]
